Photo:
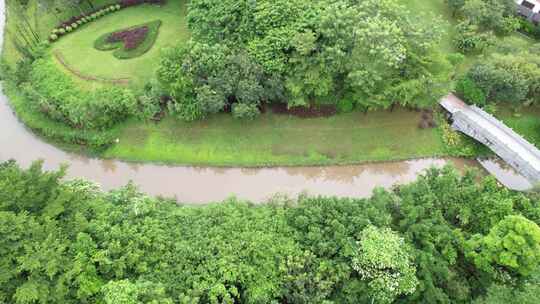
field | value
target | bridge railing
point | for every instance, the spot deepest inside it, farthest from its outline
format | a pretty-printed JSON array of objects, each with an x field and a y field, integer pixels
[{"x": 533, "y": 149}]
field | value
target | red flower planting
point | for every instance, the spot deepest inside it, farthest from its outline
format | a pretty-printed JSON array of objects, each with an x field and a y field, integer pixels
[{"x": 132, "y": 38}]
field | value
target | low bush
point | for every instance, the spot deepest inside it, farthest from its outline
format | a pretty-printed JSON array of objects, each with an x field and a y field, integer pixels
[
  {"x": 470, "y": 92},
  {"x": 345, "y": 105},
  {"x": 245, "y": 111},
  {"x": 54, "y": 94},
  {"x": 41, "y": 123},
  {"x": 131, "y": 42},
  {"x": 151, "y": 104},
  {"x": 530, "y": 29},
  {"x": 469, "y": 40}
]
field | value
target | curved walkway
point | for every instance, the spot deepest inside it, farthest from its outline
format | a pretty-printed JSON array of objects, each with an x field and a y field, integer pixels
[{"x": 507, "y": 144}]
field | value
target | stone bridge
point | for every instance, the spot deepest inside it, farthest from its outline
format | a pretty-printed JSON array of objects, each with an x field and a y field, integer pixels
[{"x": 507, "y": 144}]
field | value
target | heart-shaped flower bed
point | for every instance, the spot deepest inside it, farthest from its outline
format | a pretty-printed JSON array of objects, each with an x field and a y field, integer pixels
[{"x": 130, "y": 42}]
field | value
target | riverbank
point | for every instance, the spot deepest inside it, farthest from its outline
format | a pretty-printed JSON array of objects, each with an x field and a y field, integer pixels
[
  {"x": 270, "y": 140},
  {"x": 274, "y": 139}
]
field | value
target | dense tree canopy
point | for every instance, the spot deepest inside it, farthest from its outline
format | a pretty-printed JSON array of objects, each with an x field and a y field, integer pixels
[
  {"x": 302, "y": 53},
  {"x": 443, "y": 239},
  {"x": 510, "y": 78}
]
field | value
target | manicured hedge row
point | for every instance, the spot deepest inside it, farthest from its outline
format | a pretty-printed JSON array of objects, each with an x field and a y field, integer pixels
[
  {"x": 75, "y": 22},
  {"x": 104, "y": 43},
  {"x": 53, "y": 93},
  {"x": 66, "y": 27}
]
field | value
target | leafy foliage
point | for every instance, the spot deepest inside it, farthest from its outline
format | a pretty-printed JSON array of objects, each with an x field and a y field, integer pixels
[
  {"x": 383, "y": 260},
  {"x": 510, "y": 78},
  {"x": 470, "y": 92},
  {"x": 513, "y": 243},
  {"x": 55, "y": 94},
  {"x": 479, "y": 18},
  {"x": 303, "y": 52},
  {"x": 69, "y": 242}
]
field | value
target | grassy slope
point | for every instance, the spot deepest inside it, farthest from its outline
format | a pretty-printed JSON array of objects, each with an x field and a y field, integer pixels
[
  {"x": 274, "y": 139},
  {"x": 77, "y": 48},
  {"x": 526, "y": 123}
]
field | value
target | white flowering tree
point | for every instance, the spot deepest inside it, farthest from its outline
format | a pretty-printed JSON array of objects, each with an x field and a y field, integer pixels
[{"x": 383, "y": 260}]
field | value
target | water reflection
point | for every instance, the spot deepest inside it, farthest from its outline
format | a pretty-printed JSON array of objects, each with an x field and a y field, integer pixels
[{"x": 505, "y": 174}]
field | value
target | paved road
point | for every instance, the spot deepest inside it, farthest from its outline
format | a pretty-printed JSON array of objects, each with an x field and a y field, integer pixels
[{"x": 487, "y": 125}]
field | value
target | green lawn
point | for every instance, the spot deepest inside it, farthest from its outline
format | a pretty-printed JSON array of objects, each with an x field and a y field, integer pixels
[
  {"x": 526, "y": 123},
  {"x": 280, "y": 140},
  {"x": 78, "y": 47}
]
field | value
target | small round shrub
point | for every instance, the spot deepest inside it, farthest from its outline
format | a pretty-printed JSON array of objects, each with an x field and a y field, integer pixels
[
  {"x": 53, "y": 37},
  {"x": 245, "y": 111},
  {"x": 79, "y": 22},
  {"x": 69, "y": 29},
  {"x": 345, "y": 105},
  {"x": 74, "y": 25},
  {"x": 118, "y": 7},
  {"x": 55, "y": 31},
  {"x": 61, "y": 31}
]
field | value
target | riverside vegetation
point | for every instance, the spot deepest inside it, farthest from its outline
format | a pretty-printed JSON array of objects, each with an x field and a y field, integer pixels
[
  {"x": 444, "y": 238},
  {"x": 264, "y": 63}
]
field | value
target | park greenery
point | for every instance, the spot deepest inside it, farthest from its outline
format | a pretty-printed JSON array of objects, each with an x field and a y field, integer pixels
[
  {"x": 445, "y": 238},
  {"x": 220, "y": 82},
  {"x": 365, "y": 54}
]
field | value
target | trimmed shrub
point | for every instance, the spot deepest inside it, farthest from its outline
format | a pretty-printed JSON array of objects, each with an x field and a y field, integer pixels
[
  {"x": 53, "y": 37},
  {"x": 55, "y": 31},
  {"x": 74, "y": 25},
  {"x": 79, "y": 22},
  {"x": 118, "y": 7},
  {"x": 69, "y": 29},
  {"x": 62, "y": 31}
]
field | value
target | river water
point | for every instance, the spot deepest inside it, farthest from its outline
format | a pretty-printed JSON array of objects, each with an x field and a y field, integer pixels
[{"x": 204, "y": 184}]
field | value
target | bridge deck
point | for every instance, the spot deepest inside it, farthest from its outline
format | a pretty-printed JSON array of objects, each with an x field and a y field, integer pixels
[{"x": 489, "y": 126}]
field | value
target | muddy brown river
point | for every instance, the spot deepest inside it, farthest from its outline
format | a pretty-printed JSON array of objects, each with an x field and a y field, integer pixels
[{"x": 203, "y": 184}]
